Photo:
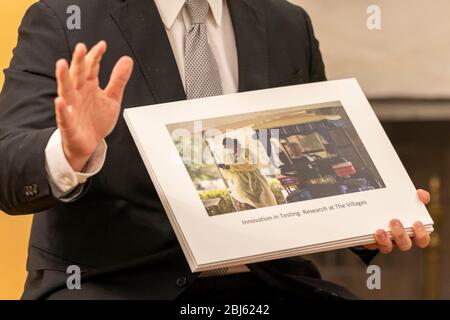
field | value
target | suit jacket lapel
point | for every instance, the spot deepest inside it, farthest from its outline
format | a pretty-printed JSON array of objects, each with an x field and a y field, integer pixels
[
  {"x": 249, "y": 25},
  {"x": 145, "y": 33}
]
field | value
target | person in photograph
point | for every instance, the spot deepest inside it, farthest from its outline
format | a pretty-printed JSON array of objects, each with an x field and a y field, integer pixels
[
  {"x": 249, "y": 186},
  {"x": 297, "y": 154},
  {"x": 67, "y": 156},
  {"x": 301, "y": 161}
]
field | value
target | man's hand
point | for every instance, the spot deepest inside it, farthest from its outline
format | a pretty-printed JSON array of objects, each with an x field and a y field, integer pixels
[
  {"x": 402, "y": 241},
  {"x": 86, "y": 114}
]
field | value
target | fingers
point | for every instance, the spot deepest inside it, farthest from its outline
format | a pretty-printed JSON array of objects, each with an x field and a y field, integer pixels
[
  {"x": 385, "y": 244},
  {"x": 424, "y": 196},
  {"x": 64, "y": 82},
  {"x": 400, "y": 235},
  {"x": 63, "y": 114},
  {"x": 78, "y": 66},
  {"x": 421, "y": 237},
  {"x": 119, "y": 78},
  {"x": 93, "y": 59}
]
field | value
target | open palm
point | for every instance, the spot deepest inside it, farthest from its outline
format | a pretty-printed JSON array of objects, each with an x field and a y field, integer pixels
[{"x": 85, "y": 113}]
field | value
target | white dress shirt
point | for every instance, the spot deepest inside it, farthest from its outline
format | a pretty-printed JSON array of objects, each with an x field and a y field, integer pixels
[{"x": 63, "y": 179}]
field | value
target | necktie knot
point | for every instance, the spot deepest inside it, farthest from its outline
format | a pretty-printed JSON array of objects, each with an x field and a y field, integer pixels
[{"x": 198, "y": 11}]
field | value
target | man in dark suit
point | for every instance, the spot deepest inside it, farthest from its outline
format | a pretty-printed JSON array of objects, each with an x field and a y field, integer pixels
[{"x": 97, "y": 209}]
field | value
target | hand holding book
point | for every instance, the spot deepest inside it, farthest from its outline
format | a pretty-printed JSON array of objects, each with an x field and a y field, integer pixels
[{"x": 401, "y": 240}]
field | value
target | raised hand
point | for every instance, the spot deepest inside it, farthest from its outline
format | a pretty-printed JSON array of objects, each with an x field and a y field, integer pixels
[{"x": 85, "y": 113}]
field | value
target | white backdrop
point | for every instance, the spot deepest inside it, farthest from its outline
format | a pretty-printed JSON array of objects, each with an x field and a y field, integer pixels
[{"x": 408, "y": 57}]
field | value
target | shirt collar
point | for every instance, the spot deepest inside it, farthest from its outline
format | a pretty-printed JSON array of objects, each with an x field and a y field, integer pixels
[{"x": 170, "y": 9}]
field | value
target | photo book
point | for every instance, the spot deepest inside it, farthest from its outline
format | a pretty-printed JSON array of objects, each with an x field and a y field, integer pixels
[{"x": 274, "y": 173}]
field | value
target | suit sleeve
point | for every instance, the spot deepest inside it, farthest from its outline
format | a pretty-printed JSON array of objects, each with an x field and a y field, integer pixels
[
  {"x": 27, "y": 118},
  {"x": 316, "y": 64}
]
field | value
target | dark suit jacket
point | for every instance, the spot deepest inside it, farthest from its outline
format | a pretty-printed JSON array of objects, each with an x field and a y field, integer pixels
[{"x": 117, "y": 231}]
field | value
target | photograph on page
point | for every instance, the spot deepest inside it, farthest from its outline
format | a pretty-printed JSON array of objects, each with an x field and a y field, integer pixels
[{"x": 268, "y": 158}]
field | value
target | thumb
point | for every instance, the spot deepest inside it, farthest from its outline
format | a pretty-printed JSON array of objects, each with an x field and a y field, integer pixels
[
  {"x": 63, "y": 114},
  {"x": 119, "y": 78},
  {"x": 424, "y": 196}
]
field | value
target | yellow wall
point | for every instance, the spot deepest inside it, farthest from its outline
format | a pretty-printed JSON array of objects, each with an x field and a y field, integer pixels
[{"x": 14, "y": 231}]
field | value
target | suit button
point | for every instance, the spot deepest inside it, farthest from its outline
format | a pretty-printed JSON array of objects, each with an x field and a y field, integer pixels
[
  {"x": 35, "y": 189},
  {"x": 182, "y": 282},
  {"x": 31, "y": 190},
  {"x": 27, "y": 191}
]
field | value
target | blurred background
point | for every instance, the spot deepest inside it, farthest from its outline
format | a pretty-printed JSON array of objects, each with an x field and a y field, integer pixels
[{"x": 404, "y": 68}]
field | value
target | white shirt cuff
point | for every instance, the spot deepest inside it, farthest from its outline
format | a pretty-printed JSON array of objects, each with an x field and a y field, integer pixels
[{"x": 59, "y": 171}]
